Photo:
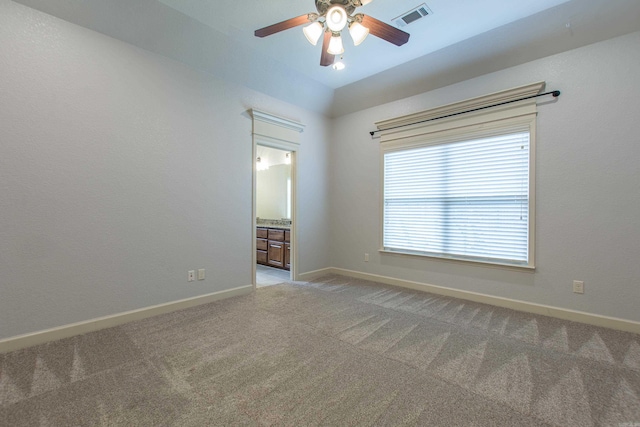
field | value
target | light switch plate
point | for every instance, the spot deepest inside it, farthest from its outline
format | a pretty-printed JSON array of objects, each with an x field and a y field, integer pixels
[
  {"x": 201, "y": 274},
  {"x": 191, "y": 275}
]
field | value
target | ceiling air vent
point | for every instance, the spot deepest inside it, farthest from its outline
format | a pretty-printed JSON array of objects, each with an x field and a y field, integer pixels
[{"x": 413, "y": 15}]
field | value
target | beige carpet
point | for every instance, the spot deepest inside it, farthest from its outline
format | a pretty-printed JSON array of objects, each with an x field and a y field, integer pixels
[{"x": 333, "y": 352}]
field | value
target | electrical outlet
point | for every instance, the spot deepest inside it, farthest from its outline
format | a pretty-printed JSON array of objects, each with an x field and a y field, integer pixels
[
  {"x": 366, "y": 257},
  {"x": 201, "y": 274},
  {"x": 578, "y": 287},
  {"x": 191, "y": 275}
]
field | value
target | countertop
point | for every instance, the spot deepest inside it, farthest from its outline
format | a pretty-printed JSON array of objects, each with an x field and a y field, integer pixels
[{"x": 278, "y": 226}]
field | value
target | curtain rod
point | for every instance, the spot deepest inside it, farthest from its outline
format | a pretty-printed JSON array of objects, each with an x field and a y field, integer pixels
[{"x": 555, "y": 93}]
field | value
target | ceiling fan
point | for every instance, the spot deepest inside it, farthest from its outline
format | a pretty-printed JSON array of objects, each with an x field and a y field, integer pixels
[{"x": 336, "y": 14}]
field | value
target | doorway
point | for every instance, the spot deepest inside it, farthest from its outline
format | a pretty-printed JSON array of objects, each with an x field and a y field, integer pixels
[
  {"x": 274, "y": 213},
  {"x": 282, "y": 134}
]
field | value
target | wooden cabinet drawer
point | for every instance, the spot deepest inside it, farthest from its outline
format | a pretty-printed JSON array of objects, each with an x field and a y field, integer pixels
[
  {"x": 277, "y": 235},
  {"x": 276, "y": 253},
  {"x": 262, "y": 233},
  {"x": 262, "y": 244},
  {"x": 262, "y": 257}
]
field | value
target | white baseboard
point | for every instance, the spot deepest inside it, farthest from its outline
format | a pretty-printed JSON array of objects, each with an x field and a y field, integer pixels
[
  {"x": 41, "y": 337},
  {"x": 528, "y": 307},
  {"x": 28, "y": 340},
  {"x": 311, "y": 275}
]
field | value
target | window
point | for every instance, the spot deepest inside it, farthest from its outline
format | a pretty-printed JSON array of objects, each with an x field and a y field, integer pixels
[
  {"x": 462, "y": 188},
  {"x": 467, "y": 199}
]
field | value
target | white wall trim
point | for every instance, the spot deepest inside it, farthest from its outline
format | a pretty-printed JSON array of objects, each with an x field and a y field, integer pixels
[
  {"x": 277, "y": 143},
  {"x": 528, "y": 307},
  {"x": 276, "y": 120},
  {"x": 312, "y": 275},
  {"x": 66, "y": 331}
]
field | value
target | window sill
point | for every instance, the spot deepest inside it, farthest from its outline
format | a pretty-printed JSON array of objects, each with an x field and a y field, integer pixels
[{"x": 490, "y": 264}]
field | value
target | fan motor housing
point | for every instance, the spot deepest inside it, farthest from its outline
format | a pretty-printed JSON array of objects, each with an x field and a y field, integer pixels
[{"x": 324, "y": 5}]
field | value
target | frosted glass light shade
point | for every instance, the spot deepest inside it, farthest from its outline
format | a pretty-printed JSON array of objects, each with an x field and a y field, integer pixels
[
  {"x": 336, "y": 18},
  {"x": 313, "y": 32},
  {"x": 338, "y": 66},
  {"x": 358, "y": 32},
  {"x": 335, "y": 46},
  {"x": 365, "y": 2}
]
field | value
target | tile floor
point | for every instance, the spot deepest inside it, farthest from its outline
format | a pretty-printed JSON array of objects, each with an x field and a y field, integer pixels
[{"x": 267, "y": 276}]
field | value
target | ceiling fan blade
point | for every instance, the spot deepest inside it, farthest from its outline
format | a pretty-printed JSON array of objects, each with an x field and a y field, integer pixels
[
  {"x": 385, "y": 31},
  {"x": 326, "y": 59},
  {"x": 281, "y": 26}
]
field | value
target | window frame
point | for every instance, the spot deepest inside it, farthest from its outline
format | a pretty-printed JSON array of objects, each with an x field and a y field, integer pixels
[{"x": 518, "y": 116}]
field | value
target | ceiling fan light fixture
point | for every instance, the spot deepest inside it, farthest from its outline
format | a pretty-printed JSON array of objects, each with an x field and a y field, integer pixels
[
  {"x": 336, "y": 18},
  {"x": 313, "y": 32},
  {"x": 335, "y": 45},
  {"x": 338, "y": 66},
  {"x": 358, "y": 32}
]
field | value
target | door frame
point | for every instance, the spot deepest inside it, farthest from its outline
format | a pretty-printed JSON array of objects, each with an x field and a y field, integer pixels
[
  {"x": 292, "y": 148},
  {"x": 282, "y": 134}
]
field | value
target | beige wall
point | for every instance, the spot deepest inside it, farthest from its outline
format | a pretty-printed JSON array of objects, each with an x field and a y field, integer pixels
[
  {"x": 587, "y": 185},
  {"x": 121, "y": 170}
]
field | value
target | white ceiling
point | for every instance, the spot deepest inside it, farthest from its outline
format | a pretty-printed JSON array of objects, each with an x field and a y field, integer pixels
[
  {"x": 463, "y": 39},
  {"x": 450, "y": 23}
]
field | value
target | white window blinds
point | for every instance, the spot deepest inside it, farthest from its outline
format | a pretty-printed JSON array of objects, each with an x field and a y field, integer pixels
[{"x": 467, "y": 199}]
